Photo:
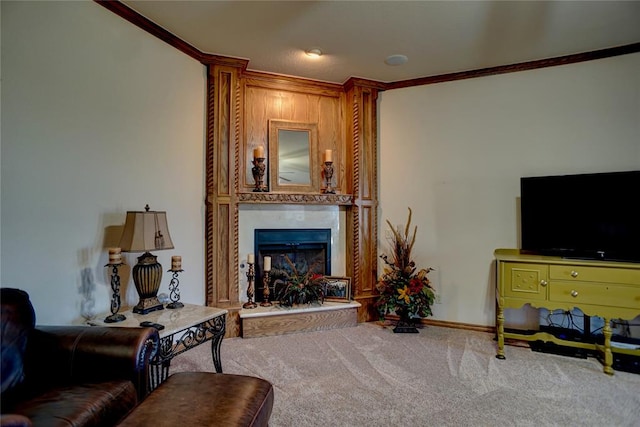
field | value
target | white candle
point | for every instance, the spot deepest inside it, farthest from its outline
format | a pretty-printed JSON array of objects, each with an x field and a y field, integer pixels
[
  {"x": 328, "y": 156},
  {"x": 251, "y": 259},
  {"x": 258, "y": 153},
  {"x": 267, "y": 263},
  {"x": 115, "y": 256},
  {"x": 176, "y": 262}
]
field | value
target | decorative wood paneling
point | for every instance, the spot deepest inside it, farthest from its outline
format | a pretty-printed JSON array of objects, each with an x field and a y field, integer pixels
[
  {"x": 268, "y": 100},
  {"x": 362, "y": 230},
  {"x": 223, "y": 133},
  {"x": 240, "y": 108}
]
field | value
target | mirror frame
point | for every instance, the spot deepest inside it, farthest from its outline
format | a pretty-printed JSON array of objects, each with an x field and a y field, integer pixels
[{"x": 274, "y": 162}]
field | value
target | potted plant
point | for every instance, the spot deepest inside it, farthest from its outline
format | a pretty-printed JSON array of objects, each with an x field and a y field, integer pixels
[
  {"x": 404, "y": 290},
  {"x": 299, "y": 284}
]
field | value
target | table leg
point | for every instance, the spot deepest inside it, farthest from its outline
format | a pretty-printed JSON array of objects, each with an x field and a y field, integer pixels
[
  {"x": 608, "y": 356},
  {"x": 217, "y": 329},
  {"x": 500, "y": 332}
]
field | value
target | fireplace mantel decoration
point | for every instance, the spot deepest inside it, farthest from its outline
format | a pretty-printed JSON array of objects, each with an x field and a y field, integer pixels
[{"x": 299, "y": 198}]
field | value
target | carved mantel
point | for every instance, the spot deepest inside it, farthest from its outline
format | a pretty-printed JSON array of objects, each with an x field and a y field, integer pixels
[{"x": 299, "y": 198}]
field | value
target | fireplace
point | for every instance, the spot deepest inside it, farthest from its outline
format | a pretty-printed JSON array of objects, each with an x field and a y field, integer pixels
[{"x": 307, "y": 249}]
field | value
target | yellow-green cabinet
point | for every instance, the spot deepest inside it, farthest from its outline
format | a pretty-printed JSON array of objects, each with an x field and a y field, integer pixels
[{"x": 610, "y": 290}]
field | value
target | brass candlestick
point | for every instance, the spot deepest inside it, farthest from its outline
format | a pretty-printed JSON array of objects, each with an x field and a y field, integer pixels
[
  {"x": 328, "y": 174},
  {"x": 174, "y": 292},
  {"x": 265, "y": 291},
  {"x": 258, "y": 174},
  {"x": 251, "y": 275},
  {"x": 115, "y": 298}
]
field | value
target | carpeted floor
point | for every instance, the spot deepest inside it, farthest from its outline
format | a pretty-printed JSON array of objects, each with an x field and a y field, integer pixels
[{"x": 369, "y": 376}]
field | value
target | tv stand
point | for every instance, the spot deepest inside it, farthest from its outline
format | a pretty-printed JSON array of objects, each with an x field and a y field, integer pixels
[{"x": 610, "y": 290}]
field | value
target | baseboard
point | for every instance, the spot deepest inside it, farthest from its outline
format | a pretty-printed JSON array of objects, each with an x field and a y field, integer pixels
[{"x": 453, "y": 325}]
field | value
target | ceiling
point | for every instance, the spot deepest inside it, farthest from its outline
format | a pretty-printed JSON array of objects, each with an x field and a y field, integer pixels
[{"x": 438, "y": 37}]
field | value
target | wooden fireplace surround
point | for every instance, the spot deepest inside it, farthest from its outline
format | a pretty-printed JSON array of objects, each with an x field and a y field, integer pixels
[{"x": 240, "y": 104}]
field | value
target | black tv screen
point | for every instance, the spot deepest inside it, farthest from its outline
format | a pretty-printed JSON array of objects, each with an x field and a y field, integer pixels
[{"x": 590, "y": 216}]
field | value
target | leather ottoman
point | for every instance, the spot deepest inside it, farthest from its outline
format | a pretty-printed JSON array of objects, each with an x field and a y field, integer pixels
[{"x": 205, "y": 399}]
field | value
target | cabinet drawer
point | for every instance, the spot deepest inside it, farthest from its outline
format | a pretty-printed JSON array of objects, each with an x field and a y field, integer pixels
[
  {"x": 625, "y": 276},
  {"x": 605, "y": 295},
  {"x": 524, "y": 280}
]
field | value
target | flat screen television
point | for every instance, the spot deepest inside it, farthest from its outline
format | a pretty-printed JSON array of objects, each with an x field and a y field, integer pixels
[{"x": 586, "y": 216}]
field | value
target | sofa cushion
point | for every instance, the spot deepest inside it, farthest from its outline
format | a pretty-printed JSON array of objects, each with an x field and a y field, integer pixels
[
  {"x": 17, "y": 320},
  {"x": 100, "y": 404},
  {"x": 205, "y": 399}
]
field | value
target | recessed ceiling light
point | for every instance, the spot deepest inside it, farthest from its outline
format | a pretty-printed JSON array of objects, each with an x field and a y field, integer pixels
[
  {"x": 396, "y": 60},
  {"x": 314, "y": 53}
]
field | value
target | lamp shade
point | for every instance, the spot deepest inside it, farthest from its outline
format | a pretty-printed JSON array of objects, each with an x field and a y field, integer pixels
[{"x": 145, "y": 231}]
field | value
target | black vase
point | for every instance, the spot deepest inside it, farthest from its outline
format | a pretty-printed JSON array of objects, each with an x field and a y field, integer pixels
[{"x": 405, "y": 324}]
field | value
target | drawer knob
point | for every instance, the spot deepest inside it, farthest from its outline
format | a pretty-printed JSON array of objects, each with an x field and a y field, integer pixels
[
  {"x": 574, "y": 293},
  {"x": 574, "y": 274},
  {"x": 543, "y": 283}
]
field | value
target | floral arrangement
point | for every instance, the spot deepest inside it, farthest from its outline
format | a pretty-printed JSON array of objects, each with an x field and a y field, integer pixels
[
  {"x": 403, "y": 290},
  {"x": 299, "y": 284}
]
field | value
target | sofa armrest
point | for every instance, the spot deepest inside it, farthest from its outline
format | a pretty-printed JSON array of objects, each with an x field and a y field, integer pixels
[{"x": 88, "y": 354}]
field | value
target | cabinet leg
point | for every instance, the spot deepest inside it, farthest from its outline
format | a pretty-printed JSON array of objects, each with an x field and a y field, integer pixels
[
  {"x": 608, "y": 356},
  {"x": 500, "y": 331}
]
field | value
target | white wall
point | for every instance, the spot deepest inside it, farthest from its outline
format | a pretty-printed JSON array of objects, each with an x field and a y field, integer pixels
[
  {"x": 99, "y": 117},
  {"x": 455, "y": 152}
]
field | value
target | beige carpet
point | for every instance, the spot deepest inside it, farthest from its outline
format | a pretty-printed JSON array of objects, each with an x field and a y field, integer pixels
[{"x": 369, "y": 376}]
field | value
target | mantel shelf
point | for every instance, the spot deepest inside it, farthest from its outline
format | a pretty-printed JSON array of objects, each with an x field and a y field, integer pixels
[{"x": 296, "y": 198}]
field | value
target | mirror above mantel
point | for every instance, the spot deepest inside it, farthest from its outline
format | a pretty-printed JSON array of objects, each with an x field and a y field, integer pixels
[{"x": 293, "y": 157}]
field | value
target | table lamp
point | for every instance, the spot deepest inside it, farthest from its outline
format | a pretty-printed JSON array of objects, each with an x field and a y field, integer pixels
[{"x": 143, "y": 232}]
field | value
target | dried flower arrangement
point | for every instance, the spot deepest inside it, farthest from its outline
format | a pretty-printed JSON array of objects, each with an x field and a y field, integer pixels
[
  {"x": 299, "y": 284},
  {"x": 404, "y": 290}
]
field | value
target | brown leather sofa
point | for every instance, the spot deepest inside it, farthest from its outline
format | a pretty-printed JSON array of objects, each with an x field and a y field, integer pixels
[{"x": 69, "y": 375}]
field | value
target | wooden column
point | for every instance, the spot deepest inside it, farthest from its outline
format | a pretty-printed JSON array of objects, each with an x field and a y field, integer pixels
[
  {"x": 223, "y": 141},
  {"x": 362, "y": 217}
]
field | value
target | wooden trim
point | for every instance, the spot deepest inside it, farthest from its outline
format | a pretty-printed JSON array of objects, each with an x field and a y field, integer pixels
[
  {"x": 370, "y": 84},
  {"x": 447, "y": 324},
  {"x": 296, "y": 198},
  {"x": 521, "y": 66},
  {"x": 135, "y": 18},
  {"x": 151, "y": 27},
  {"x": 291, "y": 84}
]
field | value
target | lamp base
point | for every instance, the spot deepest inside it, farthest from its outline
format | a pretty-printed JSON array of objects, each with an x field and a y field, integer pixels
[
  {"x": 147, "y": 274},
  {"x": 147, "y": 305}
]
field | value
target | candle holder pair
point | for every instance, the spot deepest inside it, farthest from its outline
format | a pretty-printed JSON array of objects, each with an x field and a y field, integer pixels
[
  {"x": 251, "y": 275},
  {"x": 116, "y": 302}
]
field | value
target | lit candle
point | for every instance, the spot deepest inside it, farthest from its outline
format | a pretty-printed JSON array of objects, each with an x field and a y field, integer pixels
[
  {"x": 251, "y": 259},
  {"x": 176, "y": 262},
  {"x": 328, "y": 156},
  {"x": 258, "y": 152},
  {"x": 267, "y": 263}
]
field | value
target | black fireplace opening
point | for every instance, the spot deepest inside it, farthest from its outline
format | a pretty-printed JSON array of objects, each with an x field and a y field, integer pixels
[{"x": 309, "y": 249}]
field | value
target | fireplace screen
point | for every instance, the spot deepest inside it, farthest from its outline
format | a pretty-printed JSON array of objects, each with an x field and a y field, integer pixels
[{"x": 308, "y": 248}]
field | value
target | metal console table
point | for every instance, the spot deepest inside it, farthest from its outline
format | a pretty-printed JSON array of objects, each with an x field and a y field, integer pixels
[{"x": 184, "y": 329}]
